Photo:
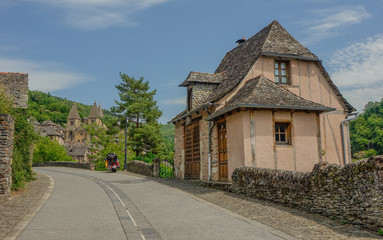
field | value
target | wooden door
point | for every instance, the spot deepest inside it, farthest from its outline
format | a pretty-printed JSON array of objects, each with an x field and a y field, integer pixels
[
  {"x": 192, "y": 151},
  {"x": 222, "y": 151}
]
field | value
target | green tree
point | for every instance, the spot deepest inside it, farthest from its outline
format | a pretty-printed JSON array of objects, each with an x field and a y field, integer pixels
[
  {"x": 366, "y": 132},
  {"x": 137, "y": 102},
  {"x": 47, "y": 150},
  {"x": 167, "y": 133},
  {"x": 104, "y": 142}
]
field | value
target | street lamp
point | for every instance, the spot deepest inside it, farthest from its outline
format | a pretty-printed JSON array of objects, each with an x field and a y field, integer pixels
[{"x": 126, "y": 139}]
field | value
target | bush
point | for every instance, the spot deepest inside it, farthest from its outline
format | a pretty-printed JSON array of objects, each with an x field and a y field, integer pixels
[
  {"x": 24, "y": 137},
  {"x": 148, "y": 157},
  {"x": 100, "y": 166},
  {"x": 47, "y": 150}
]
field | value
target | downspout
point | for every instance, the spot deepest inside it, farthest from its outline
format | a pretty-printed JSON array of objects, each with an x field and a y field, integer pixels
[
  {"x": 209, "y": 155},
  {"x": 342, "y": 131}
]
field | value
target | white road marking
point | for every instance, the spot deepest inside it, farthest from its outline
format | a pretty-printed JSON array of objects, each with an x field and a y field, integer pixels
[{"x": 134, "y": 222}]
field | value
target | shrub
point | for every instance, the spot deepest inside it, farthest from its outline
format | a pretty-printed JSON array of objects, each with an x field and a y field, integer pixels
[
  {"x": 47, "y": 150},
  {"x": 148, "y": 157},
  {"x": 100, "y": 166},
  {"x": 23, "y": 140}
]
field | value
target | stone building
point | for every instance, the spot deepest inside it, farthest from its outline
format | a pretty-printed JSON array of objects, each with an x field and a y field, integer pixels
[
  {"x": 15, "y": 86},
  {"x": 76, "y": 138},
  {"x": 78, "y": 151},
  {"x": 269, "y": 104},
  {"x": 51, "y": 130}
]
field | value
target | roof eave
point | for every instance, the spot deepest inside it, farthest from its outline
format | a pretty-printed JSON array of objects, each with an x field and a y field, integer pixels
[
  {"x": 219, "y": 113},
  {"x": 189, "y": 113},
  {"x": 289, "y": 56}
]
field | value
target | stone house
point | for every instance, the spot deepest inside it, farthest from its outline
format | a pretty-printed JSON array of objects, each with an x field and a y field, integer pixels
[
  {"x": 15, "y": 86},
  {"x": 269, "y": 104},
  {"x": 78, "y": 151},
  {"x": 51, "y": 130}
]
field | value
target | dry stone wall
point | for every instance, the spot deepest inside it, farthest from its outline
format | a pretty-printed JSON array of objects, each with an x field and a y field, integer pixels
[
  {"x": 15, "y": 86},
  {"x": 140, "y": 167},
  {"x": 6, "y": 150},
  {"x": 83, "y": 165},
  {"x": 352, "y": 194}
]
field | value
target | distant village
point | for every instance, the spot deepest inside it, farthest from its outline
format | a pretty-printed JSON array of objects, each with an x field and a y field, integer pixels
[{"x": 73, "y": 137}]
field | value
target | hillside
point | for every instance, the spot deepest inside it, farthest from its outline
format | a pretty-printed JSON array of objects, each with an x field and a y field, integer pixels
[{"x": 43, "y": 107}]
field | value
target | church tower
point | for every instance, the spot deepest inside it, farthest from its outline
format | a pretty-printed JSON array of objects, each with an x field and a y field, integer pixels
[
  {"x": 74, "y": 118},
  {"x": 95, "y": 115},
  {"x": 73, "y": 131}
]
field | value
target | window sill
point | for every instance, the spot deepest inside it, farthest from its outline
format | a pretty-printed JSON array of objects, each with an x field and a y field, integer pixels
[{"x": 283, "y": 145}]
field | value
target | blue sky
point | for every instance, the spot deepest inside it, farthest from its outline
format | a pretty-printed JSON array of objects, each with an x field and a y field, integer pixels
[{"x": 77, "y": 48}]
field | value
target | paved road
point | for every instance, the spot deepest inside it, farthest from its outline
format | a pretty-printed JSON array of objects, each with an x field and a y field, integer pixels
[{"x": 99, "y": 205}]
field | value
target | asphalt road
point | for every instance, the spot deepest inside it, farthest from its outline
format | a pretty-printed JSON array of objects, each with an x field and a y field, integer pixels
[{"x": 100, "y": 205}]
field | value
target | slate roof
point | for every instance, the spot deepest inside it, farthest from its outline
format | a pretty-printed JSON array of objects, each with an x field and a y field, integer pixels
[
  {"x": 73, "y": 114},
  {"x": 199, "y": 77},
  {"x": 100, "y": 112},
  {"x": 76, "y": 149},
  {"x": 263, "y": 93},
  {"x": 48, "y": 128},
  {"x": 272, "y": 39},
  {"x": 94, "y": 112}
]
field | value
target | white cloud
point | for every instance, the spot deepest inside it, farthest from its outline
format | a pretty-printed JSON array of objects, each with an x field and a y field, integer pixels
[
  {"x": 43, "y": 76},
  {"x": 174, "y": 101},
  {"x": 98, "y": 14},
  {"x": 358, "y": 72},
  {"x": 329, "y": 22}
]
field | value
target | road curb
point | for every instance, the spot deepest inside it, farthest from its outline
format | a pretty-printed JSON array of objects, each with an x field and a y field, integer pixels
[{"x": 28, "y": 218}]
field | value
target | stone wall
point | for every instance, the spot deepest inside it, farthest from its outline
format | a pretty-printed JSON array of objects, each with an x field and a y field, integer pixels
[
  {"x": 179, "y": 152},
  {"x": 15, "y": 86},
  {"x": 87, "y": 165},
  {"x": 140, "y": 167},
  {"x": 6, "y": 150},
  {"x": 352, "y": 194}
]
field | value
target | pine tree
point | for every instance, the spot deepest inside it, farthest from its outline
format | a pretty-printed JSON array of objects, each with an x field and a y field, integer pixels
[{"x": 137, "y": 104}]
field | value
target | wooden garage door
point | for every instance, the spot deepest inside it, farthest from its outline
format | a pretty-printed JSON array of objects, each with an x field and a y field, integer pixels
[{"x": 192, "y": 151}]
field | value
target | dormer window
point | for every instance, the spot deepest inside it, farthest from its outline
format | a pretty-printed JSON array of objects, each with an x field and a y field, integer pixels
[
  {"x": 281, "y": 71},
  {"x": 190, "y": 99}
]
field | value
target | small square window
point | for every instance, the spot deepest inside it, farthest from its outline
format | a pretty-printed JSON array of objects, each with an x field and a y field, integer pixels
[
  {"x": 282, "y": 133},
  {"x": 281, "y": 72}
]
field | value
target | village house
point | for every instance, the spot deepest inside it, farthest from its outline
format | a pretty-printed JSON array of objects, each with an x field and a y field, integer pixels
[
  {"x": 51, "y": 130},
  {"x": 269, "y": 104}
]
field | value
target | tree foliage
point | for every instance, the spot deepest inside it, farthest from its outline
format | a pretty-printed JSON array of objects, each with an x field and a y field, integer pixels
[
  {"x": 138, "y": 105},
  {"x": 106, "y": 141},
  {"x": 44, "y": 107},
  {"x": 24, "y": 137},
  {"x": 47, "y": 150},
  {"x": 366, "y": 132},
  {"x": 167, "y": 135}
]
